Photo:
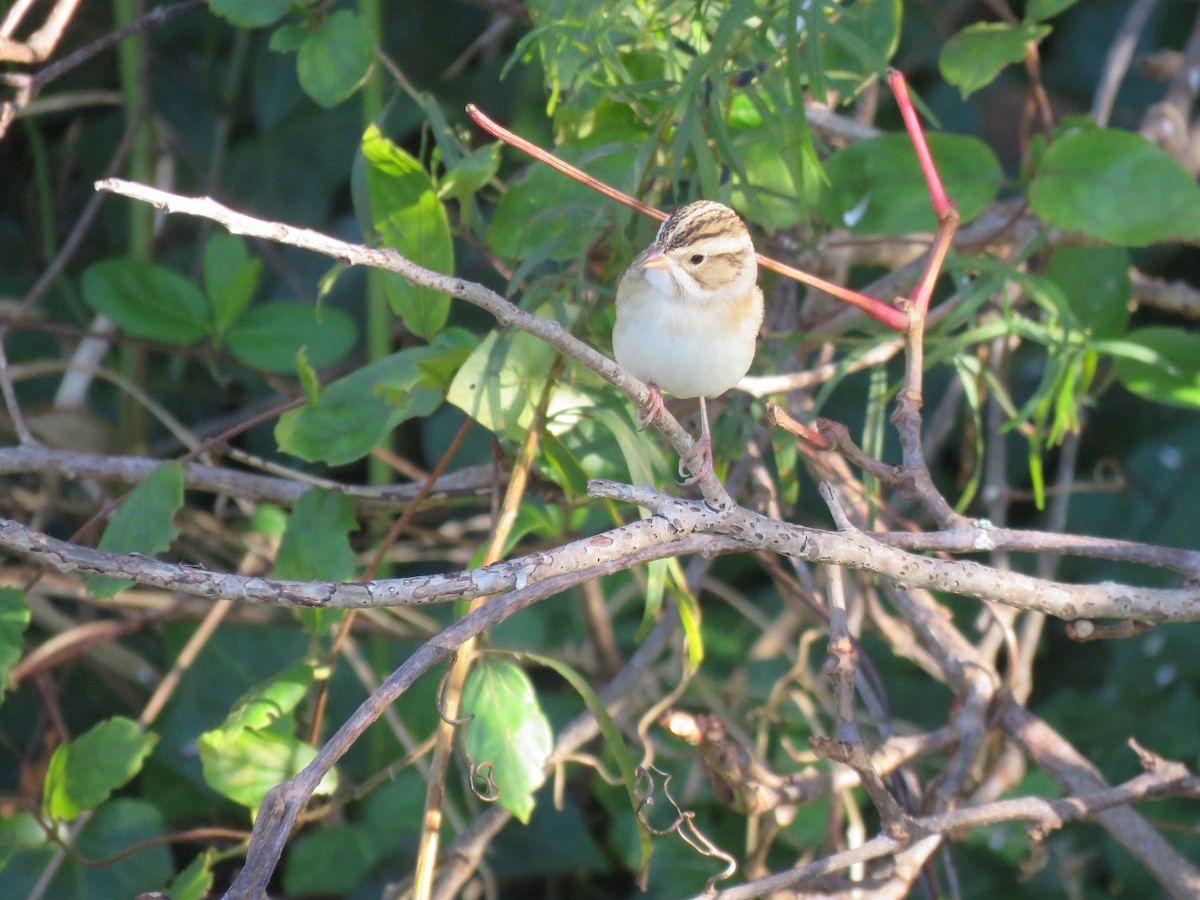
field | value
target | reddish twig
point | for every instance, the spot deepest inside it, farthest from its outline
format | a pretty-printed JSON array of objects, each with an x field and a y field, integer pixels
[
  {"x": 910, "y": 321},
  {"x": 943, "y": 206},
  {"x": 884, "y": 312}
]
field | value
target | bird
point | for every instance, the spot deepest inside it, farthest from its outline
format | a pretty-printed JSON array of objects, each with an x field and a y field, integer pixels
[{"x": 689, "y": 310}]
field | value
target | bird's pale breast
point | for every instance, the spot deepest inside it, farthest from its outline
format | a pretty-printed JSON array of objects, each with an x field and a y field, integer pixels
[{"x": 687, "y": 350}]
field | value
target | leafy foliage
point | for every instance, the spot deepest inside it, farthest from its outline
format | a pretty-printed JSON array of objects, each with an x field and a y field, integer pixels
[
  {"x": 509, "y": 735},
  {"x": 1116, "y": 187},
  {"x": 143, "y": 524},
  {"x": 83, "y": 773}
]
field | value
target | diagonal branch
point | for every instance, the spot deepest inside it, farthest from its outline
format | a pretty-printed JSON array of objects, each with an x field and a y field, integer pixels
[
  {"x": 506, "y": 313},
  {"x": 283, "y": 804}
]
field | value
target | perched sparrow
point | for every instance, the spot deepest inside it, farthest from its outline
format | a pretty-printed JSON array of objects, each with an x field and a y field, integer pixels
[{"x": 688, "y": 314}]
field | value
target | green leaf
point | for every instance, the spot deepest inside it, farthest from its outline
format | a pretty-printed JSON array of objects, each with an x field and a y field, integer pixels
[
  {"x": 470, "y": 173},
  {"x": 397, "y": 206},
  {"x": 500, "y": 383},
  {"x": 352, "y": 414},
  {"x": 455, "y": 347},
  {"x": 269, "y": 336},
  {"x": 14, "y": 619},
  {"x": 977, "y": 54},
  {"x": 860, "y": 37},
  {"x": 876, "y": 185},
  {"x": 769, "y": 180},
  {"x": 19, "y": 831},
  {"x": 331, "y": 862},
  {"x": 335, "y": 59},
  {"x": 143, "y": 523},
  {"x": 264, "y": 704},
  {"x": 310, "y": 383},
  {"x": 689, "y": 618},
  {"x": 245, "y": 765},
  {"x": 553, "y": 217},
  {"x": 113, "y": 828},
  {"x": 562, "y": 466},
  {"x": 85, "y": 771},
  {"x": 656, "y": 589},
  {"x": 230, "y": 278},
  {"x": 509, "y": 731},
  {"x": 1040, "y": 10},
  {"x": 1174, "y": 379},
  {"x": 195, "y": 881},
  {"x": 287, "y": 38},
  {"x": 251, "y": 13},
  {"x": 316, "y": 546},
  {"x": 146, "y": 300},
  {"x": 1117, "y": 187},
  {"x": 268, "y": 520},
  {"x": 1096, "y": 283},
  {"x": 252, "y": 750}
]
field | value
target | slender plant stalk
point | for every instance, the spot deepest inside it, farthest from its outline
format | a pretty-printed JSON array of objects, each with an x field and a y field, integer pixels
[{"x": 460, "y": 665}]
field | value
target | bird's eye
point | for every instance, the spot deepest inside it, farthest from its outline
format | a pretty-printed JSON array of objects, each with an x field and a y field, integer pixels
[{"x": 696, "y": 258}]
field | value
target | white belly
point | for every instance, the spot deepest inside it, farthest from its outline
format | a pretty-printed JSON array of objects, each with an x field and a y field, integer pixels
[{"x": 687, "y": 352}]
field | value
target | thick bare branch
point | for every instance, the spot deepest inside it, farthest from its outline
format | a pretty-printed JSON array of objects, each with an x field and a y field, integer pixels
[
  {"x": 967, "y": 579},
  {"x": 615, "y": 545}
]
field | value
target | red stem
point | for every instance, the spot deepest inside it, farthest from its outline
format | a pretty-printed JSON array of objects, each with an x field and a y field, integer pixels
[
  {"x": 941, "y": 203},
  {"x": 884, "y": 312}
]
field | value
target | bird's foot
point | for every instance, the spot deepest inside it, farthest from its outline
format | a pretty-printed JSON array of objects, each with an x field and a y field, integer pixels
[
  {"x": 699, "y": 464},
  {"x": 654, "y": 407}
]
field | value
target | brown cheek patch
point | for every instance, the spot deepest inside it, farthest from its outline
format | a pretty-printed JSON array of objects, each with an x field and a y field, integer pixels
[{"x": 718, "y": 269}]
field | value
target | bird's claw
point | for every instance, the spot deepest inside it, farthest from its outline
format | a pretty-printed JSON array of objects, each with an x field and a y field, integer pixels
[
  {"x": 699, "y": 464},
  {"x": 653, "y": 409}
]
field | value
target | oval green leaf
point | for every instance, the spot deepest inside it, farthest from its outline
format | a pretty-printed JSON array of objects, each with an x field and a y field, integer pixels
[
  {"x": 1115, "y": 186},
  {"x": 400, "y": 209},
  {"x": 977, "y": 54},
  {"x": 244, "y": 766},
  {"x": 336, "y": 58},
  {"x": 556, "y": 218},
  {"x": 502, "y": 380},
  {"x": 509, "y": 731},
  {"x": 269, "y": 336},
  {"x": 1095, "y": 281},
  {"x": 146, "y": 300},
  {"x": 1174, "y": 378},
  {"x": 355, "y": 413},
  {"x": 144, "y": 523},
  {"x": 316, "y": 545},
  {"x": 14, "y": 619},
  {"x": 85, "y": 771},
  {"x": 265, "y": 703},
  {"x": 1040, "y": 10},
  {"x": 470, "y": 173},
  {"x": 876, "y": 186},
  {"x": 230, "y": 278}
]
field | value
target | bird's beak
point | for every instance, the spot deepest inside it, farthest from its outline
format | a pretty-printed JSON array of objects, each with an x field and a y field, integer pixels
[{"x": 653, "y": 258}]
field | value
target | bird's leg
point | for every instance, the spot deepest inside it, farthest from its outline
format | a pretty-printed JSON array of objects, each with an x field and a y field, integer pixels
[
  {"x": 700, "y": 463},
  {"x": 654, "y": 406}
]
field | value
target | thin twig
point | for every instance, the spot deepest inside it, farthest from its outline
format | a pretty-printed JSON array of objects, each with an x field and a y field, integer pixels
[
  {"x": 506, "y": 313},
  {"x": 885, "y": 313}
]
